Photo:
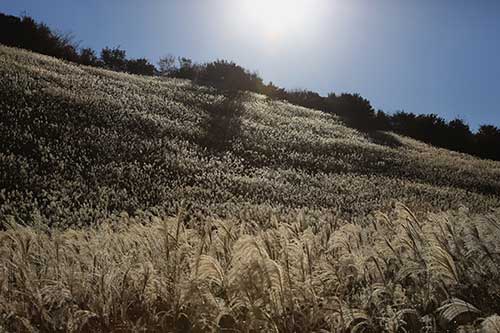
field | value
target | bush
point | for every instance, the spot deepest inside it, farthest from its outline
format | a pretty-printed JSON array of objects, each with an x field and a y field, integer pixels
[
  {"x": 228, "y": 76},
  {"x": 140, "y": 66}
]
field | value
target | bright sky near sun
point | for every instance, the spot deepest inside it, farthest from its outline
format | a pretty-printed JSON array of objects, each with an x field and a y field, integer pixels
[
  {"x": 274, "y": 20},
  {"x": 423, "y": 56}
]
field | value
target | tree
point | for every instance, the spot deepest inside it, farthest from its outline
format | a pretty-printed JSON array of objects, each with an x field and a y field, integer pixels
[
  {"x": 26, "y": 33},
  {"x": 431, "y": 129},
  {"x": 186, "y": 70},
  {"x": 88, "y": 57},
  {"x": 227, "y": 75},
  {"x": 273, "y": 91},
  {"x": 65, "y": 46},
  {"x": 305, "y": 98},
  {"x": 404, "y": 123},
  {"x": 383, "y": 120},
  {"x": 114, "y": 59},
  {"x": 140, "y": 66},
  {"x": 356, "y": 110},
  {"x": 167, "y": 65},
  {"x": 488, "y": 142},
  {"x": 459, "y": 135}
]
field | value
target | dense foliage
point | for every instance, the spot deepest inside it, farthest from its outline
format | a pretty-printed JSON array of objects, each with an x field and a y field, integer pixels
[{"x": 26, "y": 33}]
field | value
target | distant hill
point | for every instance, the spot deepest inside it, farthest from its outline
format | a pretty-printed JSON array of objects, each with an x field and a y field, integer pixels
[{"x": 81, "y": 143}]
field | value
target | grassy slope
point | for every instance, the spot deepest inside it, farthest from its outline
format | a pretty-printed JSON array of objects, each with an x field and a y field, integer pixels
[{"x": 80, "y": 144}]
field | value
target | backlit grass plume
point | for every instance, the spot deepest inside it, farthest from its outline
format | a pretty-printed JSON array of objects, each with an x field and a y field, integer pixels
[{"x": 397, "y": 273}]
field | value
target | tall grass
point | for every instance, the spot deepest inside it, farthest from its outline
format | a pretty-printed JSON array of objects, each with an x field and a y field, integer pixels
[
  {"x": 80, "y": 144},
  {"x": 398, "y": 273},
  {"x": 279, "y": 234}
]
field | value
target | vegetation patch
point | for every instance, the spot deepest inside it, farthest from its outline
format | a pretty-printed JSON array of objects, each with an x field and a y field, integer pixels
[
  {"x": 307, "y": 273},
  {"x": 80, "y": 144},
  {"x": 134, "y": 203}
]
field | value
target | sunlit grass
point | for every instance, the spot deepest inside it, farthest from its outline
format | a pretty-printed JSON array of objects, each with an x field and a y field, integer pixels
[
  {"x": 278, "y": 223},
  {"x": 300, "y": 274}
]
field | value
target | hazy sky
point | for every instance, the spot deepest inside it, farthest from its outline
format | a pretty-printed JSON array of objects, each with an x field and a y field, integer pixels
[{"x": 424, "y": 56}]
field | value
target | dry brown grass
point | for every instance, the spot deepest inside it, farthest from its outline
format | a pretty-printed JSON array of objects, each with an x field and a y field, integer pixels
[
  {"x": 396, "y": 274},
  {"x": 279, "y": 236}
]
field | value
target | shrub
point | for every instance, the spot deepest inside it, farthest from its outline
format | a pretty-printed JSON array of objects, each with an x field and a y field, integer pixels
[
  {"x": 140, "y": 66},
  {"x": 228, "y": 76}
]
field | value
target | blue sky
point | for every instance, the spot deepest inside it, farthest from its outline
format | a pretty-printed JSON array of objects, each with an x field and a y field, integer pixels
[{"x": 422, "y": 56}]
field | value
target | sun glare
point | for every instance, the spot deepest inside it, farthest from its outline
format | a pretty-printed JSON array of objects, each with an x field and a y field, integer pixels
[{"x": 276, "y": 18}]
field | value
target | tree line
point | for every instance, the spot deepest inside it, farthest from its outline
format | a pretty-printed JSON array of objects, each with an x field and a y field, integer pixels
[{"x": 25, "y": 32}]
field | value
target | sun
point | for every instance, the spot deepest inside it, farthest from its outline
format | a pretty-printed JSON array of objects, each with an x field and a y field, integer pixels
[{"x": 276, "y": 18}]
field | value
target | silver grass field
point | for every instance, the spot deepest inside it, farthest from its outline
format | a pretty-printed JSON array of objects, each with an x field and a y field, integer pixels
[{"x": 125, "y": 208}]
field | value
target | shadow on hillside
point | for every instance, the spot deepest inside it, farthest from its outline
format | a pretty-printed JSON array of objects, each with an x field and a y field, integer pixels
[
  {"x": 384, "y": 139},
  {"x": 223, "y": 126}
]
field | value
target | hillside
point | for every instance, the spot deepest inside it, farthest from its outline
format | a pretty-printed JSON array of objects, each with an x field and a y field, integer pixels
[
  {"x": 247, "y": 177},
  {"x": 80, "y": 143}
]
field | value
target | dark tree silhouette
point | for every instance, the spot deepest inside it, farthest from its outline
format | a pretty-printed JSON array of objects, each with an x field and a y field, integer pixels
[
  {"x": 114, "y": 59},
  {"x": 383, "y": 121},
  {"x": 356, "y": 110},
  {"x": 88, "y": 57},
  {"x": 229, "y": 76},
  {"x": 460, "y": 137},
  {"x": 25, "y": 33},
  {"x": 140, "y": 66},
  {"x": 305, "y": 98},
  {"x": 488, "y": 142}
]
